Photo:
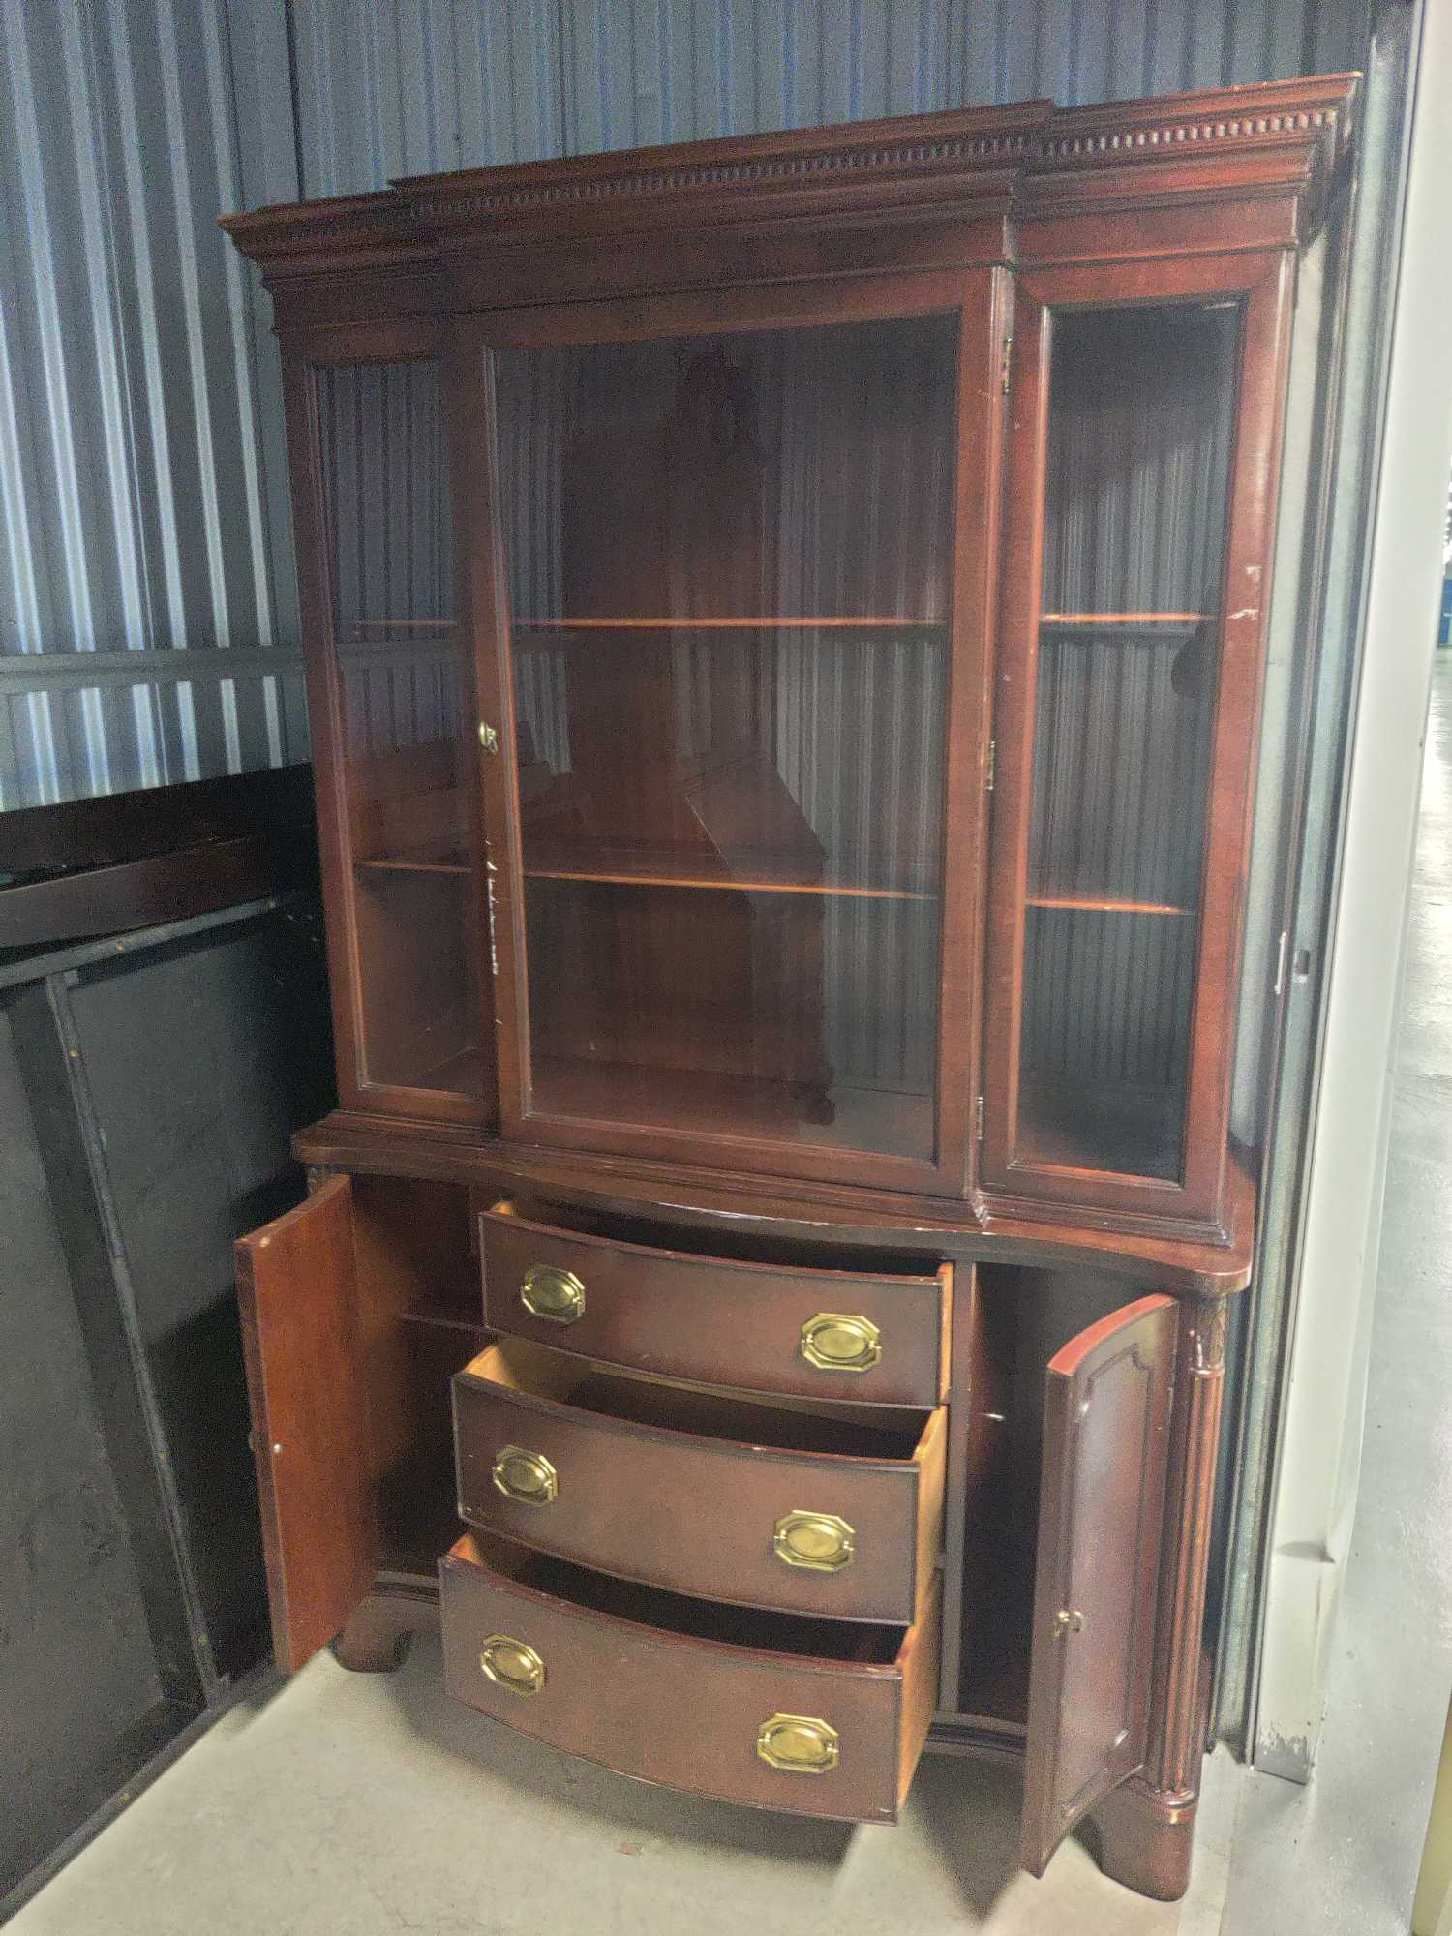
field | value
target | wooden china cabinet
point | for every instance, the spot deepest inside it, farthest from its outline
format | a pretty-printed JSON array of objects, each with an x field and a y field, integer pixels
[{"x": 785, "y": 622}]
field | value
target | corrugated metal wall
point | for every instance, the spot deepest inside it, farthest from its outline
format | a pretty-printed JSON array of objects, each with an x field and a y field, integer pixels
[{"x": 143, "y": 508}]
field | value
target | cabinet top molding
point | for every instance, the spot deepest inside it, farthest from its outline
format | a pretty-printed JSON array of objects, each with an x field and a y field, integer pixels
[{"x": 1278, "y": 140}]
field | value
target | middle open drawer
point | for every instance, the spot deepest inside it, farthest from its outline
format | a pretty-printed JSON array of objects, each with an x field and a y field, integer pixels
[{"x": 786, "y": 1507}]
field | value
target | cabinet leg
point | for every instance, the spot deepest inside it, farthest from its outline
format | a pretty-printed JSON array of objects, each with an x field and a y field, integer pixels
[
  {"x": 381, "y": 1627},
  {"x": 1146, "y": 1839}
]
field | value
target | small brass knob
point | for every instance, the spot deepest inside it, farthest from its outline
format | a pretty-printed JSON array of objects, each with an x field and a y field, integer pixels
[
  {"x": 1066, "y": 1621},
  {"x": 797, "y": 1744},
  {"x": 513, "y": 1664},
  {"x": 527, "y": 1477},
  {"x": 819, "y": 1542},
  {"x": 833, "y": 1342},
  {"x": 549, "y": 1292}
]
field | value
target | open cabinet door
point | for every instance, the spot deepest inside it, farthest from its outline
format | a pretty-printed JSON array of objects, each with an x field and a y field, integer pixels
[
  {"x": 1106, "y": 1439},
  {"x": 304, "y": 1373}
]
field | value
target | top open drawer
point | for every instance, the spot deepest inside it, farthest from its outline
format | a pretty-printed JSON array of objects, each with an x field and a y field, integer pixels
[{"x": 878, "y": 1340}]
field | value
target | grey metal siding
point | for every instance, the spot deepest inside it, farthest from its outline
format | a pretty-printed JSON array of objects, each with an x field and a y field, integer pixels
[{"x": 143, "y": 507}]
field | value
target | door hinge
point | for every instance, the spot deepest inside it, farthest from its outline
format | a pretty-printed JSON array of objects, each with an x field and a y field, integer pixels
[
  {"x": 978, "y": 1118},
  {"x": 990, "y": 765},
  {"x": 1007, "y": 361}
]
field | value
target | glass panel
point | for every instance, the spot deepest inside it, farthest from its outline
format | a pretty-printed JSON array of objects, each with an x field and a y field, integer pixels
[
  {"x": 1140, "y": 418},
  {"x": 406, "y": 735},
  {"x": 729, "y": 569}
]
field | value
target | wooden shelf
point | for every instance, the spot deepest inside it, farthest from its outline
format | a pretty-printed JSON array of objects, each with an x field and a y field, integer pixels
[
  {"x": 1123, "y": 1129},
  {"x": 704, "y": 1103},
  {"x": 1126, "y": 618},
  {"x": 365, "y": 631},
  {"x": 1095, "y": 904},
  {"x": 404, "y": 864},
  {"x": 721, "y": 883},
  {"x": 765, "y": 623}
]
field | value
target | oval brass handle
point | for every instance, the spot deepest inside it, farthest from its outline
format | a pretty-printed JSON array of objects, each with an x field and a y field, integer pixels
[
  {"x": 553, "y": 1293},
  {"x": 525, "y": 1476},
  {"x": 513, "y": 1664},
  {"x": 820, "y": 1542},
  {"x": 797, "y": 1744},
  {"x": 834, "y": 1342}
]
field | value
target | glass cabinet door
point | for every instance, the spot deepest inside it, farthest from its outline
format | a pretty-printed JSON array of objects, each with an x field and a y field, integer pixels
[
  {"x": 728, "y": 561},
  {"x": 1104, "y": 844},
  {"x": 403, "y": 747}
]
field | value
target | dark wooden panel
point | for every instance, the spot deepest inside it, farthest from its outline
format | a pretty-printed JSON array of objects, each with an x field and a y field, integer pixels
[
  {"x": 309, "y": 1409},
  {"x": 673, "y": 1691},
  {"x": 82, "y": 1689},
  {"x": 711, "y": 1206},
  {"x": 684, "y": 1490},
  {"x": 98, "y": 866},
  {"x": 717, "y": 1320},
  {"x": 1106, "y": 1443}
]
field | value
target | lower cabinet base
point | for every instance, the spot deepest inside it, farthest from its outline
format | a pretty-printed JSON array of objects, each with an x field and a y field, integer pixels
[
  {"x": 1141, "y": 1838},
  {"x": 381, "y": 1627},
  {"x": 1147, "y": 1839}
]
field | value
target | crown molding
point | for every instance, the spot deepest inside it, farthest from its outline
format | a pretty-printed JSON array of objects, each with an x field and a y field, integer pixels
[{"x": 1273, "y": 139}]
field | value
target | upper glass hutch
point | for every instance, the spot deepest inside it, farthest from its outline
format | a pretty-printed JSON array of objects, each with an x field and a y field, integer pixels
[{"x": 786, "y": 698}]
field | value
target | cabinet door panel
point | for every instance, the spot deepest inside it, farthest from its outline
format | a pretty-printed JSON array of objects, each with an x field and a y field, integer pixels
[
  {"x": 735, "y": 584},
  {"x": 1144, "y": 441},
  {"x": 392, "y": 704},
  {"x": 1106, "y": 1439},
  {"x": 306, "y": 1378}
]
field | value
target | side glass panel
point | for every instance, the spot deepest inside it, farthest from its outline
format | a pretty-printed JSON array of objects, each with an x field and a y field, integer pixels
[
  {"x": 406, "y": 749},
  {"x": 730, "y": 561},
  {"x": 1140, "y": 417}
]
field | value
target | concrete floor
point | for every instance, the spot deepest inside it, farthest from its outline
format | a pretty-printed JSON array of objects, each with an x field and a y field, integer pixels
[{"x": 345, "y": 1805}]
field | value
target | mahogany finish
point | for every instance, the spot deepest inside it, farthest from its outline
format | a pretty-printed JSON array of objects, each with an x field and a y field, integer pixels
[
  {"x": 785, "y": 623},
  {"x": 1100, "y": 1521},
  {"x": 673, "y": 1691},
  {"x": 718, "y": 1320},
  {"x": 309, "y": 1407},
  {"x": 682, "y": 1489}
]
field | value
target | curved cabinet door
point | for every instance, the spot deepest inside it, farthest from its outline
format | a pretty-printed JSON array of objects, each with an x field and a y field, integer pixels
[{"x": 1106, "y": 1442}]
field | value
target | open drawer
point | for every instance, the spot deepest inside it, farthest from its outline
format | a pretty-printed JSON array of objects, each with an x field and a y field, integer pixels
[
  {"x": 788, "y": 1506},
  {"x": 814, "y": 1717},
  {"x": 782, "y": 1329}
]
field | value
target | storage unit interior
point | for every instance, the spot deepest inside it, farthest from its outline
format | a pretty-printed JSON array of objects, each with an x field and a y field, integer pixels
[{"x": 785, "y": 694}]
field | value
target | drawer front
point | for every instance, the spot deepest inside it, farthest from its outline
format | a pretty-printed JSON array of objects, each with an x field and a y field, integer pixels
[
  {"x": 756, "y": 1327},
  {"x": 697, "y": 1493},
  {"x": 812, "y": 1735}
]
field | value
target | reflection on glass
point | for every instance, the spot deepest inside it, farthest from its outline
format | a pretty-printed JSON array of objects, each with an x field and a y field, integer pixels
[
  {"x": 405, "y": 747},
  {"x": 729, "y": 562},
  {"x": 1128, "y": 658}
]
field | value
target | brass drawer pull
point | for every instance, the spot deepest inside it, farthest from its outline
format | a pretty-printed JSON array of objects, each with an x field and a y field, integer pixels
[
  {"x": 513, "y": 1664},
  {"x": 553, "y": 1293},
  {"x": 525, "y": 1476},
  {"x": 797, "y": 1744},
  {"x": 833, "y": 1342},
  {"x": 819, "y": 1542}
]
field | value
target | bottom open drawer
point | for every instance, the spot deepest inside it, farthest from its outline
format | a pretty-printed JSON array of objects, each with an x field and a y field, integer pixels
[{"x": 816, "y": 1717}]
